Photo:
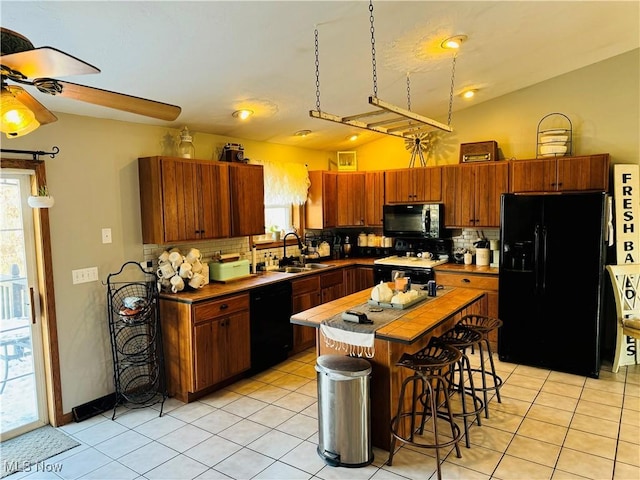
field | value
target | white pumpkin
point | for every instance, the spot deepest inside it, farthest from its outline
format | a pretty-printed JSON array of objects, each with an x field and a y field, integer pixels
[{"x": 381, "y": 293}]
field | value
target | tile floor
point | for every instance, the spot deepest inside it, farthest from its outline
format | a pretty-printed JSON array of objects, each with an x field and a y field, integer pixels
[{"x": 549, "y": 425}]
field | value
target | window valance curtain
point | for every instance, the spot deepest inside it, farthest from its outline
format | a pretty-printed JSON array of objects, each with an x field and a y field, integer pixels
[{"x": 284, "y": 182}]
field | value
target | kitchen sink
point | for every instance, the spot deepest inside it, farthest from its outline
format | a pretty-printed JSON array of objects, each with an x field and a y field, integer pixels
[
  {"x": 293, "y": 269},
  {"x": 306, "y": 268}
]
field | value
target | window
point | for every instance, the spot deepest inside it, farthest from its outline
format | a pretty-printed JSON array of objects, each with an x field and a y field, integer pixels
[{"x": 278, "y": 217}]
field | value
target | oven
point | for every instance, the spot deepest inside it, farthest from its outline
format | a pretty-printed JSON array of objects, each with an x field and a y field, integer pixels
[
  {"x": 415, "y": 257},
  {"x": 418, "y": 275}
]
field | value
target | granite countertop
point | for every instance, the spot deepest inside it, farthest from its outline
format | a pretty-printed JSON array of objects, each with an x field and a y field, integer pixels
[{"x": 411, "y": 326}]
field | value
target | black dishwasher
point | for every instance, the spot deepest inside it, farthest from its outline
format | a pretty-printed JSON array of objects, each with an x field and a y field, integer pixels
[{"x": 271, "y": 328}]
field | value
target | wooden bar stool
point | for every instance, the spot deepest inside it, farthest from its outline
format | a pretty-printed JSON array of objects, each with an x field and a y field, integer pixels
[
  {"x": 462, "y": 337},
  {"x": 484, "y": 324},
  {"x": 427, "y": 385}
]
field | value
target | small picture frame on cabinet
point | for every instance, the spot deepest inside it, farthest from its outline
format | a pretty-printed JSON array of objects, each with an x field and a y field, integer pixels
[{"x": 347, "y": 161}]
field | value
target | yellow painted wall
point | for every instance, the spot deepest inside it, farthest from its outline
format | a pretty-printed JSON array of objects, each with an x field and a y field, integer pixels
[{"x": 602, "y": 101}]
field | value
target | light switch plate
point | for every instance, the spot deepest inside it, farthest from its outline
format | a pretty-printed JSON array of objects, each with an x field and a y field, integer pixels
[{"x": 84, "y": 275}]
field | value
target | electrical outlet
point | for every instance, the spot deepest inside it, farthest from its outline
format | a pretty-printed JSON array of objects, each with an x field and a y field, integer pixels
[
  {"x": 84, "y": 275},
  {"x": 106, "y": 235},
  {"x": 146, "y": 264}
]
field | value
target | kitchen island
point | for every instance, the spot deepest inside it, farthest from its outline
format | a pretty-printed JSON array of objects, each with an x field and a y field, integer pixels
[{"x": 409, "y": 333}]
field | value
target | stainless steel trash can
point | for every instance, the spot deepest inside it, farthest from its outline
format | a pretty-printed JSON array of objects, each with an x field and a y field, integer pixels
[{"x": 344, "y": 411}]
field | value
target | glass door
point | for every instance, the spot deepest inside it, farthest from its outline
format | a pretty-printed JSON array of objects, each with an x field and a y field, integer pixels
[{"x": 22, "y": 389}]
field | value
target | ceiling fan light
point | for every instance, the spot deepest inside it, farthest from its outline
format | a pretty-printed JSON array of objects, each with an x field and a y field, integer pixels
[
  {"x": 16, "y": 119},
  {"x": 24, "y": 131},
  {"x": 242, "y": 114}
]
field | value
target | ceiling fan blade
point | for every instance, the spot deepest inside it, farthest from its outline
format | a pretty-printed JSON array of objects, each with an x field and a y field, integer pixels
[
  {"x": 119, "y": 101},
  {"x": 41, "y": 113},
  {"x": 46, "y": 62}
]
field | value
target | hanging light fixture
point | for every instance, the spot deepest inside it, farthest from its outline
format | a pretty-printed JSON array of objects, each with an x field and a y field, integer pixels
[
  {"x": 391, "y": 119},
  {"x": 16, "y": 119}
]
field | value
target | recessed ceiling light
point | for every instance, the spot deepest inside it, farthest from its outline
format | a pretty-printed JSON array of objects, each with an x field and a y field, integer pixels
[
  {"x": 453, "y": 43},
  {"x": 302, "y": 133},
  {"x": 469, "y": 93},
  {"x": 353, "y": 137},
  {"x": 242, "y": 114}
]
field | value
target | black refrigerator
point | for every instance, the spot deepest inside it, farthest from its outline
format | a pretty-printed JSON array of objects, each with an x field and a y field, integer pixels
[{"x": 551, "y": 280}]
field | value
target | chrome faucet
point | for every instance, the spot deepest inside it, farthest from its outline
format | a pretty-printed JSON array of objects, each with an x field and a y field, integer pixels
[{"x": 285, "y": 260}]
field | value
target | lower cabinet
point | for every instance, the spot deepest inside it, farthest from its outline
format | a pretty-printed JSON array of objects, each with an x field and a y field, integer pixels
[
  {"x": 488, "y": 283},
  {"x": 309, "y": 292},
  {"x": 205, "y": 343},
  {"x": 331, "y": 285},
  {"x": 357, "y": 278},
  {"x": 305, "y": 294}
]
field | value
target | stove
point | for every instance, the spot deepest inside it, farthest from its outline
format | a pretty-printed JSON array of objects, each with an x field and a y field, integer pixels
[
  {"x": 411, "y": 262},
  {"x": 420, "y": 270}
]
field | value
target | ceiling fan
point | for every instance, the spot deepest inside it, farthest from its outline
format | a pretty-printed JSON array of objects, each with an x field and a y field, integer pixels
[{"x": 22, "y": 63}]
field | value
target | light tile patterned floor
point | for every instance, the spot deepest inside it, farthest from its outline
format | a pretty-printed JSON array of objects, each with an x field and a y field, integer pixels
[{"x": 550, "y": 425}]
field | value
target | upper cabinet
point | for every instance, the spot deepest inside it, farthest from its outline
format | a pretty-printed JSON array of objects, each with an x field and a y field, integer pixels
[
  {"x": 247, "y": 199},
  {"x": 413, "y": 185},
  {"x": 322, "y": 200},
  {"x": 374, "y": 195},
  {"x": 471, "y": 193},
  {"x": 351, "y": 199},
  {"x": 345, "y": 199},
  {"x": 560, "y": 174},
  {"x": 186, "y": 199}
]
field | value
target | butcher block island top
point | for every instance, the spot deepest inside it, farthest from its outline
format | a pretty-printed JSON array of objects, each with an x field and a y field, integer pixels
[
  {"x": 412, "y": 324},
  {"x": 408, "y": 333}
]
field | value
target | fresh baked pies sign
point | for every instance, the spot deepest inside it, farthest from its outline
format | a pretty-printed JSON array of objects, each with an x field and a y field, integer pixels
[{"x": 627, "y": 208}]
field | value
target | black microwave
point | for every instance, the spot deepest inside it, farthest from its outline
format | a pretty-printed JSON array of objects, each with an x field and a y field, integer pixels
[{"x": 414, "y": 220}]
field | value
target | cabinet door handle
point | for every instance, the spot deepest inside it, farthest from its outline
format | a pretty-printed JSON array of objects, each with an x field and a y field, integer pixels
[
  {"x": 224, "y": 306},
  {"x": 466, "y": 280}
]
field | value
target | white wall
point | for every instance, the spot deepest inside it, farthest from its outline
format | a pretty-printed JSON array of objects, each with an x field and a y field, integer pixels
[{"x": 94, "y": 180}]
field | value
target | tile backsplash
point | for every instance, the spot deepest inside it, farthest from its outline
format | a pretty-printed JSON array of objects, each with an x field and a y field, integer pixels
[
  {"x": 224, "y": 245},
  {"x": 241, "y": 245}
]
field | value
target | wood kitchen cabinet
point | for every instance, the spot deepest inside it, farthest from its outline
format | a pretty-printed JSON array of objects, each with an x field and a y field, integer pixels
[
  {"x": 350, "y": 188},
  {"x": 471, "y": 193},
  {"x": 183, "y": 199},
  {"x": 247, "y": 199},
  {"x": 332, "y": 285},
  {"x": 413, "y": 185},
  {"x": 560, "y": 174},
  {"x": 322, "y": 200},
  {"x": 374, "y": 196},
  {"x": 311, "y": 291},
  {"x": 357, "y": 278},
  {"x": 486, "y": 282},
  {"x": 305, "y": 294},
  {"x": 205, "y": 344}
]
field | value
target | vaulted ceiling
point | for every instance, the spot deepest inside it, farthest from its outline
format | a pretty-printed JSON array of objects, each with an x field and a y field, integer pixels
[{"x": 214, "y": 57}]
